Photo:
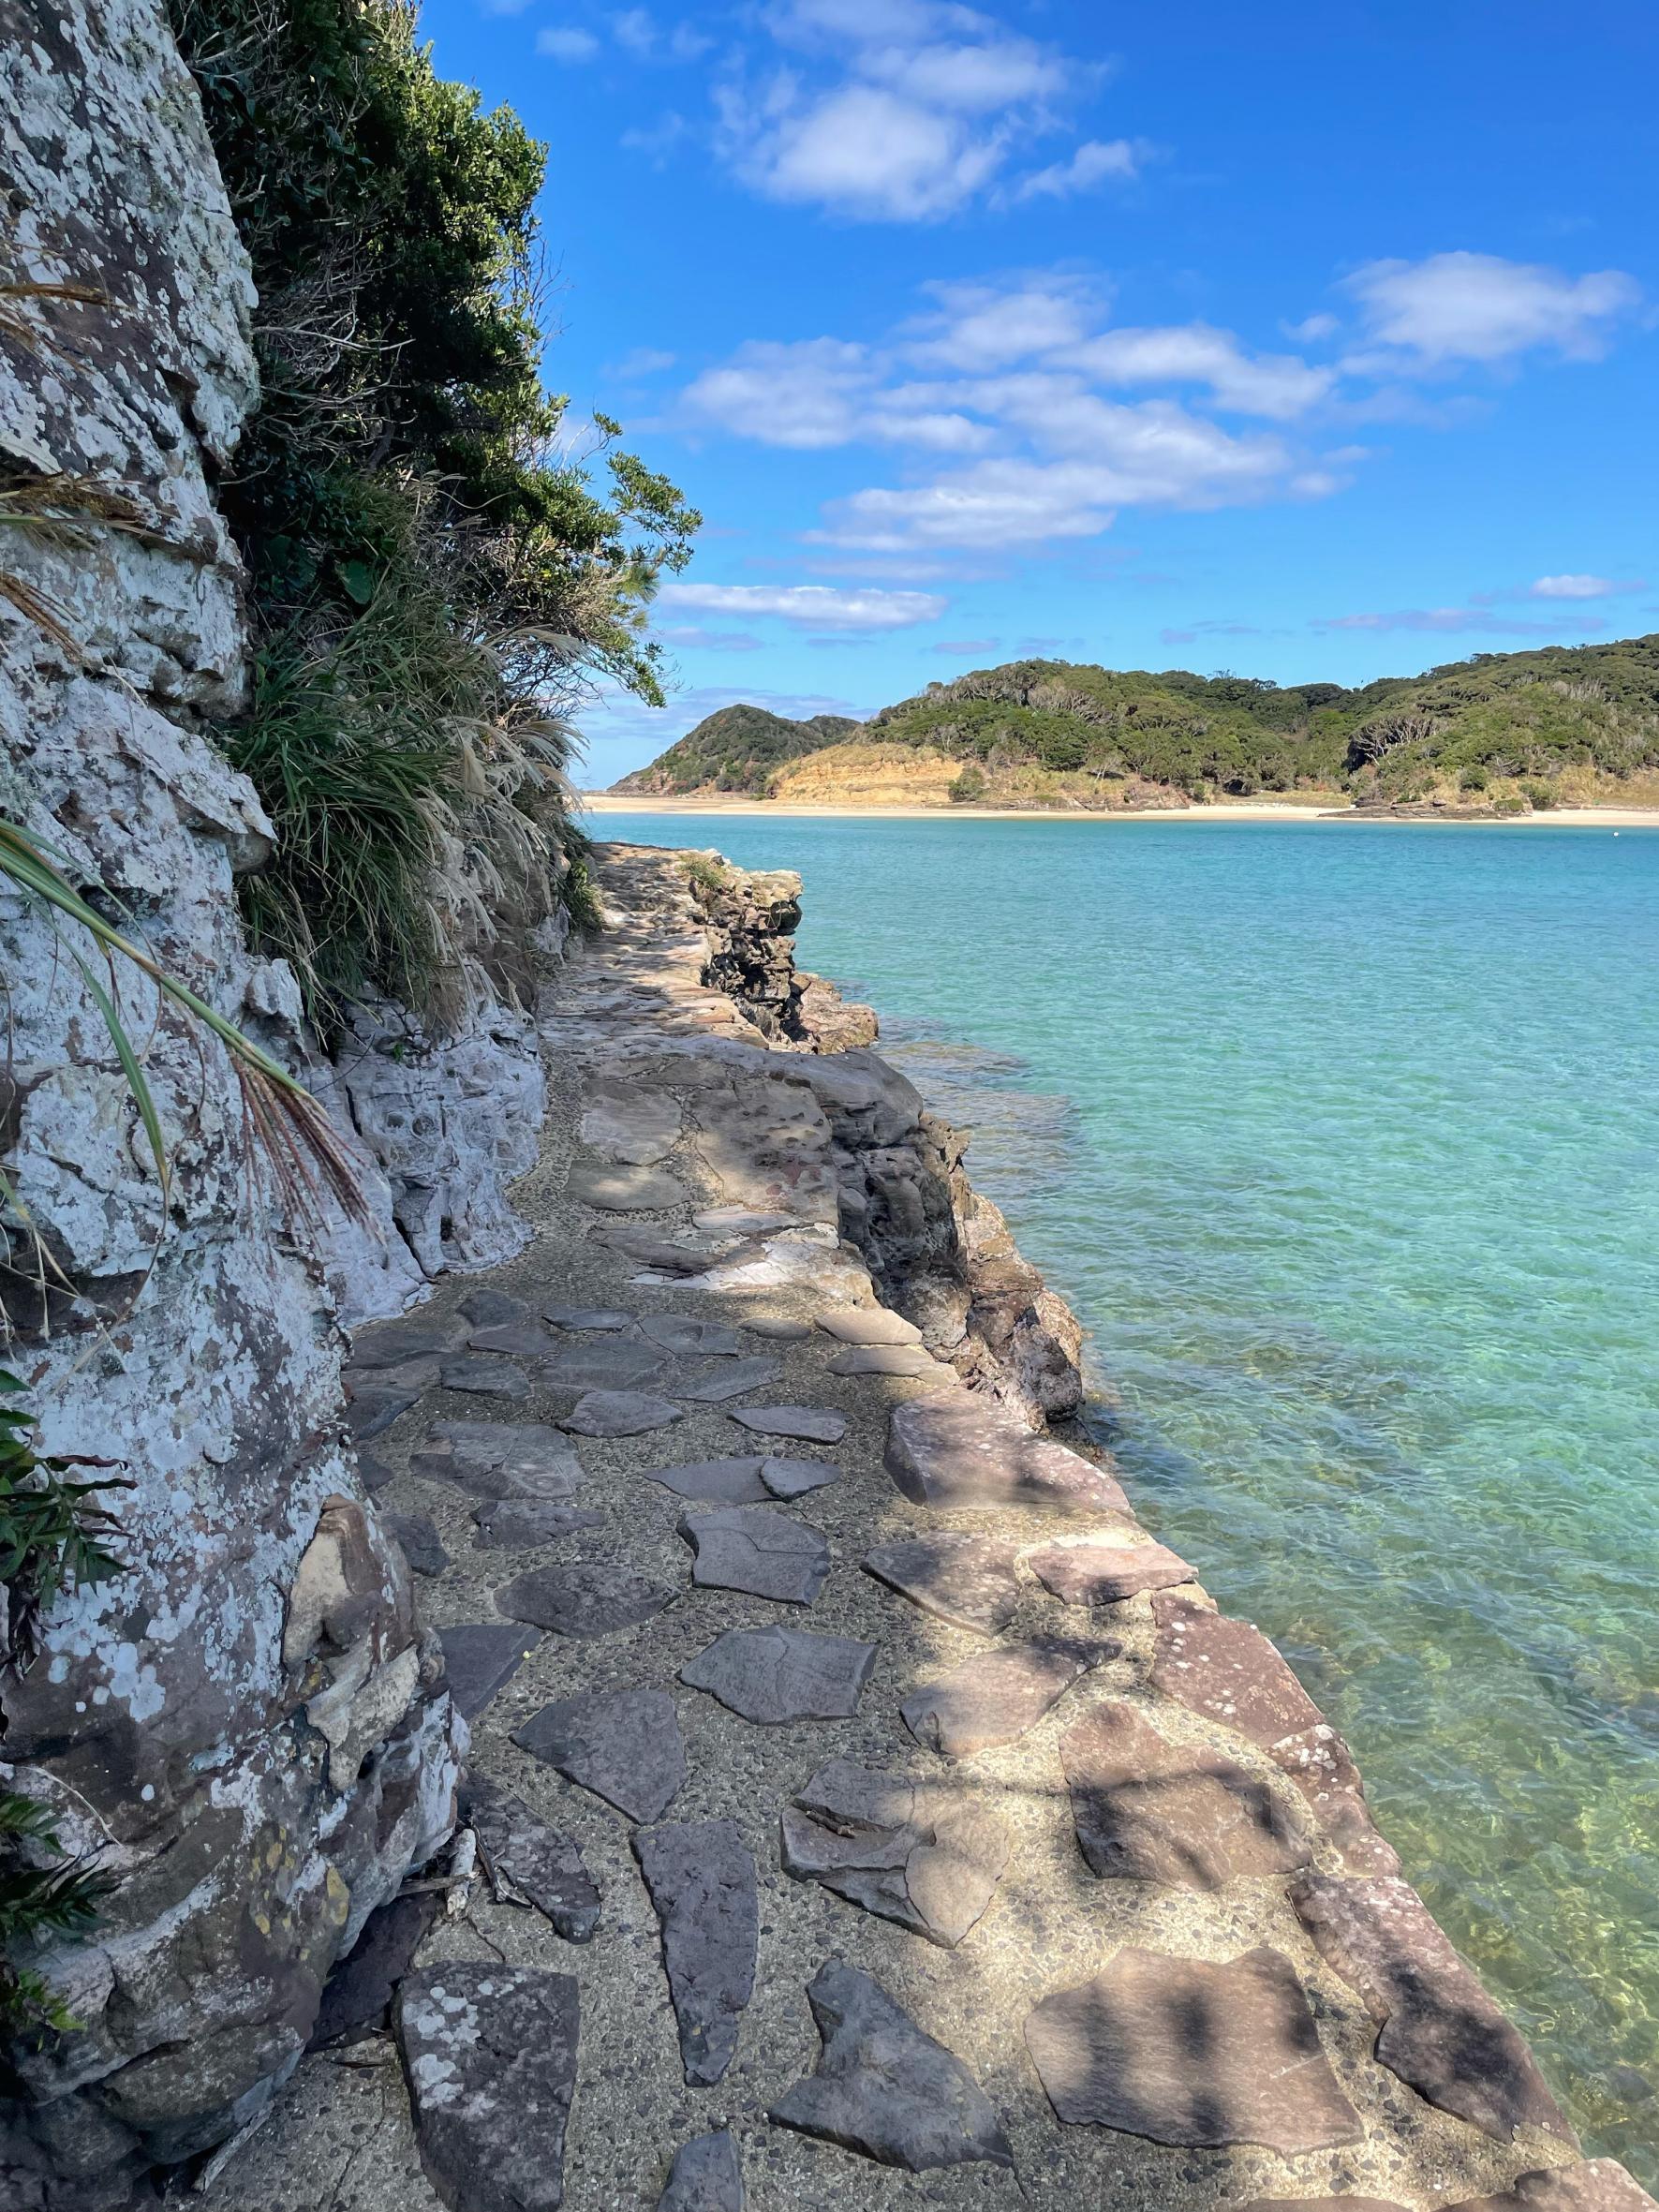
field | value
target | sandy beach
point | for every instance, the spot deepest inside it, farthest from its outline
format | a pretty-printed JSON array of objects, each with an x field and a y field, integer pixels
[{"x": 602, "y": 802}]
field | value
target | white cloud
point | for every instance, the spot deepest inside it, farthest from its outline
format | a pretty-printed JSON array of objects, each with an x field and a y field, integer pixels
[
  {"x": 1093, "y": 163},
  {"x": 565, "y": 42},
  {"x": 1462, "y": 307},
  {"x": 815, "y": 606},
  {"x": 1454, "y": 619},
  {"x": 1278, "y": 385},
  {"x": 973, "y": 79},
  {"x": 644, "y": 361},
  {"x": 639, "y": 34},
  {"x": 1575, "y": 588},
  {"x": 863, "y": 151},
  {"x": 990, "y": 326},
  {"x": 1312, "y": 328},
  {"x": 820, "y": 392}
]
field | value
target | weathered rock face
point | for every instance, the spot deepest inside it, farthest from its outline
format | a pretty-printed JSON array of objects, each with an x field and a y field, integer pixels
[{"x": 249, "y": 1727}]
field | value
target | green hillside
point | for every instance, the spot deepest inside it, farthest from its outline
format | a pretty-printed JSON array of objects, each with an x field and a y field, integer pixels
[
  {"x": 1509, "y": 729},
  {"x": 736, "y": 750}
]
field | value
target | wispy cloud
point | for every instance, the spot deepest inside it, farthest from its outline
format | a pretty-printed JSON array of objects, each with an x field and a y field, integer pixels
[
  {"x": 1095, "y": 161},
  {"x": 1571, "y": 587},
  {"x": 811, "y": 606},
  {"x": 1453, "y": 309},
  {"x": 966, "y": 648},
  {"x": 566, "y": 42},
  {"x": 1470, "y": 620},
  {"x": 689, "y": 637}
]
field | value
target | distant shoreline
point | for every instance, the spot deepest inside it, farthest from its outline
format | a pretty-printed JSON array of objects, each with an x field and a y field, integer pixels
[{"x": 602, "y": 802}]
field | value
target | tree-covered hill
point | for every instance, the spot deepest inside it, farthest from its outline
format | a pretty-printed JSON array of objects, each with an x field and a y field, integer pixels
[
  {"x": 1506, "y": 730},
  {"x": 736, "y": 750}
]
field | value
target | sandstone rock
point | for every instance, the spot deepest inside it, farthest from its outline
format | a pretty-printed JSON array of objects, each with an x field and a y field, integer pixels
[
  {"x": 1147, "y": 1810},
  {"x": 525, "y": 1340},
  {"x": 1437, "y": 2029},
  {"x": 780, "y": 1674},
  {"x": 372, "y": 1408},
  {"x": 626, "y": 1190},
  {"x": 1226, "y": 1670},
  {"x": 780, "y": 1329},
  {"x": 724, "y": 1379},
  {"x": 389, "y": 1343},
  {"x": 585, "y": 1597},
  {"x": 757, "y": 1549},
  {"x": 869, "y": 1325},
  {"x": 927, "y": 1858},
  {"x": 901, "y": 1360},
  {"x": 482, "y": 1657},
  {"x": 968, "y": 1580},
  {"x": 811, "y": 1424},
  {"x": 701, "y": 1880},
  {"x": 793, "y": 1479},
  {"x": 1320, "y": 1765},
  {"x": 358, "y": 1994},
  {"x": 418, "y": 1540},
  {"x": 489, "y": 2053},
  {"x": 496, "y": 1460},
  {"x": 626, "y": 1123},
  {"x": 722, "y": 1482},
  {"x": 1191, "y": 2053},
  {"x": 521, "y": 1524},
  {"x": 705, "y": 2176},
  {"x": 997, "y": 1696},
  {"x": 885, "y": 2089},
  {"x": 484, "y": 1377},
  {"x": 621, "y": 1412},
  {"x": 1097, "y": 1571},
  {"x": 489, "y": 1308},
  {"x": 606, "y": 1319},
  {"x": 528, "y": 1862},
  {"x": 605, "y": 1366},
  {"x": 961, "y": 1453},
  {"x": 624, "y": 1746},
  {"x": 687, "y": 1337},
  {"x": 1322, "y": 2205},
  {"x": 665, "y": 1254},
  {"x": 1599, "y": 2184}
]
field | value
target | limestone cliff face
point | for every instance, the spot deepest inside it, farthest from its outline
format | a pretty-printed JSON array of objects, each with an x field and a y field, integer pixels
[{"x": 249, "y": 1727}]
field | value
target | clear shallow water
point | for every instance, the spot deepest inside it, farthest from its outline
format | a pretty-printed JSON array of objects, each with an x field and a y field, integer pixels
[{"x": 1343, "y": 1141}]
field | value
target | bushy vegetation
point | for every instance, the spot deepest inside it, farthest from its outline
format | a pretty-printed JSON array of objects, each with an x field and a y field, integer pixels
[
  {"x": 737, "y": 748},
  {"x": 437, "y": 576},
  {"x": 1499, "y": 729}
]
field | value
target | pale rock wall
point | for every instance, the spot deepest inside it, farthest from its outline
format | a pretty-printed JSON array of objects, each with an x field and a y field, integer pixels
[{"x": 249, "y": 1725}]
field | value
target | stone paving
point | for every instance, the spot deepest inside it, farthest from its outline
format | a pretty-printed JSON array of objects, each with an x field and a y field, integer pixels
[{"x": 864, "y": 1810}]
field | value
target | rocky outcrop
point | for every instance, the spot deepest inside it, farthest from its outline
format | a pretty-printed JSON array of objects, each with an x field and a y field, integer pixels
[{"x": 247, "y": 1729}]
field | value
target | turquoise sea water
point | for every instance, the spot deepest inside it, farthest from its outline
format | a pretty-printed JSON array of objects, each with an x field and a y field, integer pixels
[{"x": 1343, "y": 1141}]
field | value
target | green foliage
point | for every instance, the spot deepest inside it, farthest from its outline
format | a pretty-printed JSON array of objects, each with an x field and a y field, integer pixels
[
  {"x": 439, "y": 573},
  {"x": 969, "y": 787},
  {"x": 738, "y": 749},
  {"x": 38, "y": 1903},
  {"x": 1505, "y": 716}
]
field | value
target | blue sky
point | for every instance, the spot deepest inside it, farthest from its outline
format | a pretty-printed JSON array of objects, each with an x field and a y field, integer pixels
[{"x": 1313, "y": 340}]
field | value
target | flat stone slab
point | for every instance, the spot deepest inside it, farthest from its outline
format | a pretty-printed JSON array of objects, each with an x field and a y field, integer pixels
[
  {"x": 1227, "y": 1671},
  {"x": 998, "y": 1697},
  {"x": 749, "y": 1221},
  {"x": 621, "y": 1412},
  {"x": 604, "y": 1318},
  {"x": 489, "y": 2053},
  {"x": 525, "y": 1340},
  {"x": 716, "y": 1482},
  {"x": 608, "y": 1365},
  {"x": 484, "y": 1377},
  {"x": 780, "y": 1329},
  {"x": 624, "y": 1746},
  {"x": 662, "y": 1253},
  {"x": 869, "y": 1325},
  {"x": 494, "y": 1460},
  {"x": 809, "y": 1424},
  {"x": 968, "y": 1580},
  {"x": 962, "y": 1453},
  {"x": 702, "y": 1879},
  {"x": 1190, "y": 2053},
  {"x": 723, "y": 1379},
  {"x": 389, "y": 1343},
  {"x": 626, "y": 1190},
  {"x": 907, "y": 1360},
  {"x": 1329, "y": 2205},
  {"x": 627, "y": 1122},
  {"x": 1097, "y": 1571},
  {"x": 885, "y": 2089},
  {"x": 778, "y": 1675},
  {"x": 480, "y": 1656},
  {"x": 357, "y": 1996},
  {"x": 375, "y": 1472},
  {"x": 1323, "y": 1768},
  {"x": 487, "y": 1308},
  {"x": 1439, "y": 2030},
  {"x": 757, "y": 1549},
  {"x": 1598, "y": 2185},
  {"x": 418, "y": 1538},
  {"x": 372, "y": 1408},
  {"x": 528, "y": 1862},
  {"x": 687, "y": 1337},
  {"x": 1177, "y": 1814},
  {"x": 706, "y": 2176},
  {"x": 792, "y": 1478},
  {"x": 521, "y": 1524},
  {"x": 585, "y": 1597},
  {"x": 926, "y": 1857}
]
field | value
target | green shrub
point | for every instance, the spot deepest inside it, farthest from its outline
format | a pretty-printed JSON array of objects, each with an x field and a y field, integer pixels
[{"x": 968, "y": 788}]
